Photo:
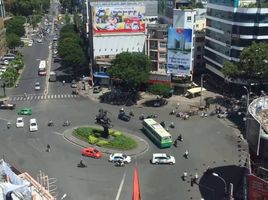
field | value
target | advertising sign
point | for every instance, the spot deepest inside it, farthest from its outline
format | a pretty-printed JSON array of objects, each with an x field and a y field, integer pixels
[
  {"x": 179, "y": 60},
  {"x": 257, "y": 188},
  {"x": 118, "y": 19}
]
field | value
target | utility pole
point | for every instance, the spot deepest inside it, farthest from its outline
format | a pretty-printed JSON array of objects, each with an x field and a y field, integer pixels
[{"x": 202, "y": 77}]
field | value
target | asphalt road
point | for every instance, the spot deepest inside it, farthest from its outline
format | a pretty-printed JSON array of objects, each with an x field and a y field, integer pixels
[{"x": 209, "y": 141}]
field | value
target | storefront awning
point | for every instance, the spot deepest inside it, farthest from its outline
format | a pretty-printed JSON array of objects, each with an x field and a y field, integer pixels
[{"x": 101, "y": 75}]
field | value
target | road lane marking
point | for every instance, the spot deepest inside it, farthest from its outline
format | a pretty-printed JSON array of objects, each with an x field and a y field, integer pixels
[
  {"x": 120, "y": 187},
  {"x": 57, "y": 133}
]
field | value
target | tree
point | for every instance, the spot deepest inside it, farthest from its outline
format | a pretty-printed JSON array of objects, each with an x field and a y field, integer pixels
[
  {"x": 252, "y": 66},
  {"x": 131, "y": 68},
  {"x": 160, "y": 89},
  {"x": 10, "y": 76},
  {"x": 13, "y": 41},
  {"x": 230, "y": 69},
  {"x": 15, "y": 25},
  {"x": 103, "y": 120}
]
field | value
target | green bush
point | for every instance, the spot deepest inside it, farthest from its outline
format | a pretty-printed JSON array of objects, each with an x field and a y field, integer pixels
[
  {"x": 122, "y": 142},
  {"x": 115, "y": 133},
  {"x": 93, "y": 136},
  {"x": 92, "y": 139},
  {"x": 101, "y": 143}
]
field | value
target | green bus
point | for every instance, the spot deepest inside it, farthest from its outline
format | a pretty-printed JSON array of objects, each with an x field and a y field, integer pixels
[{"x": 157, "y": 133}]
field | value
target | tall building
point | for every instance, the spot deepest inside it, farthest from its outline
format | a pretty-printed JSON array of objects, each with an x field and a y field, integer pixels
[{"x": 232, "y": 26}]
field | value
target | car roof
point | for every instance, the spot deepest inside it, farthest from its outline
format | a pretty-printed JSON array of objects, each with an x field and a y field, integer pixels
[
  {"x": 159, "y": 154},
  {"x": 26, "y": 109},
  {"x": 20, "y": 118},
  {"x": 117, "y": 154},
  {"x": 88, "y": 148}
]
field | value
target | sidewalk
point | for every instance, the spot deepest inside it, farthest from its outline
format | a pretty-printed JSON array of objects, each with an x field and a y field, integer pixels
[
  {"x": 142, "y": 144},
  {"x": 184, "y": 103}
]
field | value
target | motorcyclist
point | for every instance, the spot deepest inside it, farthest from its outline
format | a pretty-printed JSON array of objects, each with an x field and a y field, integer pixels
[
  {"x": 81, "y": 163},
  {"x": 8, "y": 125},
  {"x": 50, "y": 123},
  {"x": 120, "y": 162},
  {"x": 66, "y": 123},
  {"x": 172, "y": 125},
  {"x": 48, "y": 148},
  {"x": 121, "y": 110},
  {"x": 186, "y": 154},
  {"x": 131, "y": 113}
]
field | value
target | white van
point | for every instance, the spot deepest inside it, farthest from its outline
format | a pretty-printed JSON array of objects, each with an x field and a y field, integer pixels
[{"x": 33, "y": 125}]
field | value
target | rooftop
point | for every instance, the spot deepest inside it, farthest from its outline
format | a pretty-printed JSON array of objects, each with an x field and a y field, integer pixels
[
  {"x": 20, "y": 186},
  {"x": 259, "y": 110}
]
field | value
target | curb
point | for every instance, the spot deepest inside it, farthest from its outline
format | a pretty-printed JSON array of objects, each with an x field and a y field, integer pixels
[{"x": 67, "y": 134}]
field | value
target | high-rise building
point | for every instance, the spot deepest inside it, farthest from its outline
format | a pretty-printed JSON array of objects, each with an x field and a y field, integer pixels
[
  {"x": 2, "y": 9},
  {"x": 232, "y": 26}
]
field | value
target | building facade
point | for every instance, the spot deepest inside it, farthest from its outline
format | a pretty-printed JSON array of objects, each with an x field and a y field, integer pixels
[
  {"x": 156, "y": 50},
  {"x": 230, "y": 27}
]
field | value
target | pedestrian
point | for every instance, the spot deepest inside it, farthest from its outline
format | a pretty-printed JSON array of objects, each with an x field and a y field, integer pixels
[
  {"x": 48, "y": 148},
  {"x": 175, "y": 143}
]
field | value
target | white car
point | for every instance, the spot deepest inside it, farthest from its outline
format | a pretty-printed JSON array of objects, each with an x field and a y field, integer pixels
[
  {"x": 19, "y": 122},
  {"x": 39, "y": 40},
  {"x": 37, "y": 86},
  {"x": 119, "y": 156},
  {"x": 163, "y": 158},
  {"x": 33, "y": 125}
]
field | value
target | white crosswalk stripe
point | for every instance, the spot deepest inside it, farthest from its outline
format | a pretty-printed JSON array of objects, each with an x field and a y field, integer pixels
[{"x": 42, "y": 97}]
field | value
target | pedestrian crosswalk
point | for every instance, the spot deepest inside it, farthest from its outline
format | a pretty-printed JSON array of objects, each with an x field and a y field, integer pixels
[{"x": 36, "y": 97}]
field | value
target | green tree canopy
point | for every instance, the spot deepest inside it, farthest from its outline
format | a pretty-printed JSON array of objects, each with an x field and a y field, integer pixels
[
  {"x": 10, "y": 76},
  {"x": 15, "y": 25},
  {"x": 253, "y": 64},
  {"x": 160, "y": 89},
  {"x": 29, "y": 7},
  {"x": 13, "y": 41},
  {"x": 132, "y": 68}
]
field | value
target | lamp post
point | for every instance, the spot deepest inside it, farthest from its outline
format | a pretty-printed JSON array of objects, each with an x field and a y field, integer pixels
[
  {"x": 202, "y": 77},
  {"x": 225, "y": 185}
]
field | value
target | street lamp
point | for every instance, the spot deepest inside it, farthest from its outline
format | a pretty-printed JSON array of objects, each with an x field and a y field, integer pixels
[{"x": 225, "y": 185}]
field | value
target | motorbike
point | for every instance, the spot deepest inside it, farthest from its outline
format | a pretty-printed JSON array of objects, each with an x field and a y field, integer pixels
[
  {"x": 141, "y": 117},
  {"x": 50, "y": 123},
  {"x": 172, "y": 112},
  {"x": 81, "y": 165},
  {"x": 172, "y": 125},
  {"x": 66, "y": 123},
  {"x": 8, "y": 125},
  {"x": 119, "y": 164},
  {"x": 131, "y": 113}
]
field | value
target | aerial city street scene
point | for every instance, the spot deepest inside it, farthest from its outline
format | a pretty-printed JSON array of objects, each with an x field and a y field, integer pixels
[{"x": 140, "y": 99}]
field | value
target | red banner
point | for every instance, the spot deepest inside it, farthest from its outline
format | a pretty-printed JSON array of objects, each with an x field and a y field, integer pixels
[{"x": 257, "y": 188}]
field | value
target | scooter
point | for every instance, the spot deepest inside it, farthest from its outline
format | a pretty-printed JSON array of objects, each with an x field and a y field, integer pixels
[
  {"x": 81, "y": 165},
  {"x": 50, "y": 123},
  {"x": 66, "y": 123},
  {"x": 119, "y": 164}
]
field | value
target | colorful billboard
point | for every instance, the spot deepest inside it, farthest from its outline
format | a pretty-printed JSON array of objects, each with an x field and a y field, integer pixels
[
  {"x": 118, "y": 19},
  {"x": 257, "y": 188},
  {"x": 179, "y": 61}
]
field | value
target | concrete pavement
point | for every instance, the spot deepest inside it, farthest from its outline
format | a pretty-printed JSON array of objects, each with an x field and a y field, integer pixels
[{"x": 141, "y": 148}]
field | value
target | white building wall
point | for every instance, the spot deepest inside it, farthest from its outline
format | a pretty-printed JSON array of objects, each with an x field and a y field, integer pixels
[{"x": 112, "y": 45}]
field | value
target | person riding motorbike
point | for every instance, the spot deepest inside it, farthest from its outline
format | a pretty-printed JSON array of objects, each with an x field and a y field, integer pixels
[
  {"x": 8, "y": 125},
  {"x": 50, "y": 123},
  {"x": 81, "y": 163},
  {"x": 67, "y": 123},
  {"x": 120, "y": 163},
  {"x": 131, "y": 113}
]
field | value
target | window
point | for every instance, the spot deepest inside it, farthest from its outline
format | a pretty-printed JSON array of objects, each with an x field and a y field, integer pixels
[
  {"x": 198, "y": 57},
  {"x": 189, "y": 18},
  {"x": 162, "y": 55},
  {"x": 199, "y": 48},
  {"x": 163, "y": 44}
]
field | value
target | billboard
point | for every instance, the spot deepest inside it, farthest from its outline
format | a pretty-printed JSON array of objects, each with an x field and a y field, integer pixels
[
  {"x": 118, "y": 19},
  {"x": 179, "y": 61},
  {"x": 257, "y": 188}
]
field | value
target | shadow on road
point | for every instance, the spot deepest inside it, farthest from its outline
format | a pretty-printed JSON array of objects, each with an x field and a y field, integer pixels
[{"x": 212, "y": 187}]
